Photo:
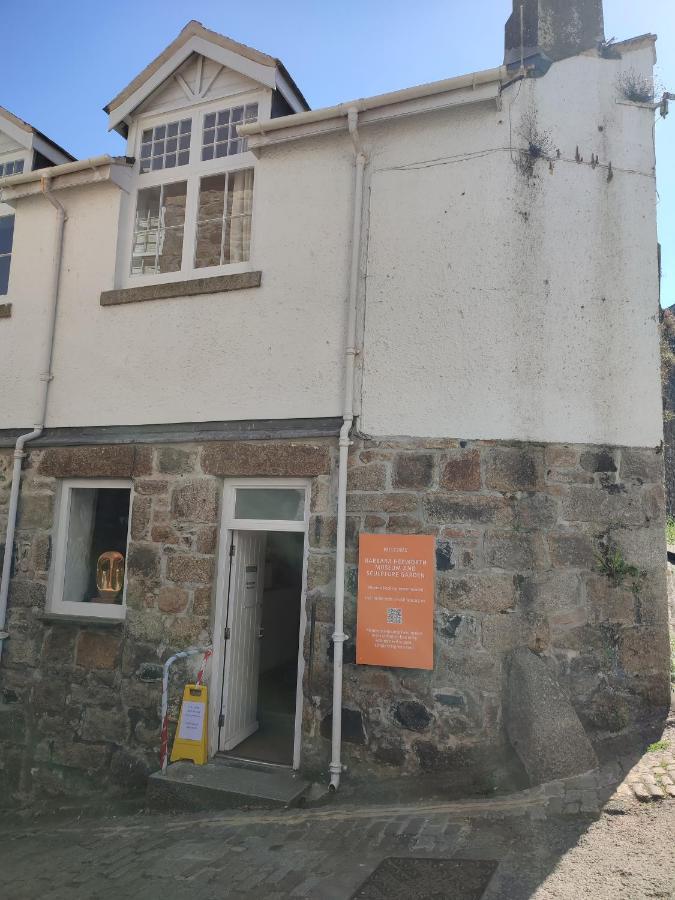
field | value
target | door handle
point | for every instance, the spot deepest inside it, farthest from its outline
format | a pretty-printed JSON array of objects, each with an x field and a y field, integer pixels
[{"x": 261, "y": 633}]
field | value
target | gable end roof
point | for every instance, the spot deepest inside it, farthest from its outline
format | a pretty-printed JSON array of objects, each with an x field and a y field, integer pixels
[
  {"x": 196, "y": 29},
  {"x": 29, "y": 129}
]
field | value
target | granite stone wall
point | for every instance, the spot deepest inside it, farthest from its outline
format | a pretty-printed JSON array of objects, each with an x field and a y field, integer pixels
[
  {"x": 80, "y": 701},
  {"x": 557, "y": 548}
]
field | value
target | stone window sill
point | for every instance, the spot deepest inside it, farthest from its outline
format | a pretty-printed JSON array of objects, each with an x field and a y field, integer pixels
[
  {"x": 80, "y": 621},
  {"x": 189, "y": 288},
  {"x": 5, "y": 310}
]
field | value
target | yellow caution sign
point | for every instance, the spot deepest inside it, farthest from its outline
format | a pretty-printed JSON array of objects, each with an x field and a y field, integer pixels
[{"x": 191, "y": 736}]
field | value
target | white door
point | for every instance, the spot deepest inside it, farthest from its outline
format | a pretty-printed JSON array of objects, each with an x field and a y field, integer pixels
[{"x": 242, "y": 646}]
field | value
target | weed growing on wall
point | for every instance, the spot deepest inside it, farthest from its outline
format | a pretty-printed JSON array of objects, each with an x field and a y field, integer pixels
[
  {"x": 612, "y": 563},
  {"x": 670, "y": 530},
  {"x": 539, "y": 144},
  {"x": 636, "y": 87}
]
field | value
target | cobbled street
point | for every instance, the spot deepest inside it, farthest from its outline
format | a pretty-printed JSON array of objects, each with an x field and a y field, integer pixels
[{"x": 628, "y": 851}]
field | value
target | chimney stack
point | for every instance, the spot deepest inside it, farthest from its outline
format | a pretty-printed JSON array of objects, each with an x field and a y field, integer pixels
[{"x": 552, "y": 30}]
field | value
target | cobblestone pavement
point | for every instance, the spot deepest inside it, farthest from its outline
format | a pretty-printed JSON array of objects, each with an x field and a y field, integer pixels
[
  {"x": 607, "y": 835},
  {"x": 328, "y": 853},
  {"x": 653, "y": 778}
]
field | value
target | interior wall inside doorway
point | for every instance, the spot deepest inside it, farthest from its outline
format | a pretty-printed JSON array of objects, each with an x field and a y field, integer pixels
[{"x": 281, "y": 600}]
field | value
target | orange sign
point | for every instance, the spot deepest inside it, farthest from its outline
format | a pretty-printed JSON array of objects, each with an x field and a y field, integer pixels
[{"x": 395, "y": 616}]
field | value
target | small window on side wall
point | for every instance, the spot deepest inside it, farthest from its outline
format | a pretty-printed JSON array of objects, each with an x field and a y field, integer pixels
[
  {"x": 90, "y": 551},
  {"x": 6, "y": 241}
]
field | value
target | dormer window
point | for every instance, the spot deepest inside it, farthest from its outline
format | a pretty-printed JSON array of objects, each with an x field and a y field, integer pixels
[
  {"x": 165, "y": 146},
  {"x": 13, "y": 167},
  {"x": 219, "y": 137},
  {"x": 194, "y": 205}
]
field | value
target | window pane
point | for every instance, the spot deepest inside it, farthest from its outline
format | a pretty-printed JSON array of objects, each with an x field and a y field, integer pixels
[
  {"x": 170, "y": 249},
  {"x": 236, "y": 246},
  {"x": 97, "y": 526},
  {"x": 158, "y": 231},
  {"x": 224, "y": 219},
  {"x": 287, "y": 504},
  {"x": 228, "y": 143},
  {"x": 6, "y": 233},
  {"x": 210, "y": 221},
  {"x": 157, "y": 145},
  {"x": 4, "y": 274}
]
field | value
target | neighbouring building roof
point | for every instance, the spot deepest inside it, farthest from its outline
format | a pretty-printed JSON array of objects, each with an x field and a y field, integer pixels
[{"x": 31, "y": 130}]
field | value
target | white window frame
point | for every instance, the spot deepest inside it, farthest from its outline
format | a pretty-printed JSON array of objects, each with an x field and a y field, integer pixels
[
  {"x": 192, "y": 173},
  {"x": 230, "y": 496},
  {"x": 57, "y": 605}
]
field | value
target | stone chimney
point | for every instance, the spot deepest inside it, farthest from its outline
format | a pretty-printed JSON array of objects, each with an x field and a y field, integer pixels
[{"x": 552, "y": 30}]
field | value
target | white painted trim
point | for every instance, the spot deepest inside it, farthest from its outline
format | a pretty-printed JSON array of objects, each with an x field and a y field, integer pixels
[
  {"x": 56, "y": 605},
  {"x": 228, "y": 526},
  {"x": 22, "y": 137},
  {"x": 256, "y": 71},
  {"x": 299, "y": 689},
  {"x": 272, "y": 133},
  {"x": 289, "y": 95}
]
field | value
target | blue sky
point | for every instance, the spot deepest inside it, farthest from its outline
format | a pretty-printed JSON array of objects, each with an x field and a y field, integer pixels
[{"x": 70, "y": 58}]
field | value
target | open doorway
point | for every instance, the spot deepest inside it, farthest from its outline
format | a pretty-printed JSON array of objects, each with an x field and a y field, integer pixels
[{"x": 263, "y": 613}]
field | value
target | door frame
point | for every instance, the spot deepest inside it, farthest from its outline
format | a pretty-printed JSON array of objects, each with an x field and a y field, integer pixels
[{"x": 229, "y": 525}]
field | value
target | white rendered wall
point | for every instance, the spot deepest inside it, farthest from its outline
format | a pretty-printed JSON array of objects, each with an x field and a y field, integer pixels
[
  {"x": 504, "y": 307},
  {"x": 270, "y": 352},
  {"x": 494, "y": 306}
]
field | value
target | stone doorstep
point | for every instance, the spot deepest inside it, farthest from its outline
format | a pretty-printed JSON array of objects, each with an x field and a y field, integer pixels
[{"x": 188, "y": 788}]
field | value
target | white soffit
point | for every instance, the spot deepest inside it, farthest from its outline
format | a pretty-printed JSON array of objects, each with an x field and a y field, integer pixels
[
  {"x": 263, "y": 74},
  {"x": 20, "y": 135}
]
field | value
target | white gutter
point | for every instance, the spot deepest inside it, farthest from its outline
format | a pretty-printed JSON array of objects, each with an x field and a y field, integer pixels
[
  {"x": 79, "y": 165},
  {"x": 45, "y": 377},
  {"x": 339, "y": 636},
  {"x": 342, "y": 110}
]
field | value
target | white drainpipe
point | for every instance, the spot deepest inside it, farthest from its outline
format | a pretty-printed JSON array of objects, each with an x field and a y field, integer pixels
[
  {"x": 339, "y": 636},
  {"x": 45, "y": 377}
]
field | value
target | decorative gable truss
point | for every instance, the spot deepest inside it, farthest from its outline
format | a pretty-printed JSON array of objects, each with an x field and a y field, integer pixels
[
  {"x": 201, "y": 64},
  {"x": 198, "y": 80}
]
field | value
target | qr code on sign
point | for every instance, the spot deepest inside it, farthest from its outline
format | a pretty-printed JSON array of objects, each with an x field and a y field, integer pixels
[{"x": 394, "y": 617}]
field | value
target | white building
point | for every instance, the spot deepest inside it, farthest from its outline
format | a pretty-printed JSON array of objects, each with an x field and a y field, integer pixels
[{"x": 462, "y": 276}]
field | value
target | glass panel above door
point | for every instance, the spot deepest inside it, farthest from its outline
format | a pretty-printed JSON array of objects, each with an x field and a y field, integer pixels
[{"x": 276, "y": 504}]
